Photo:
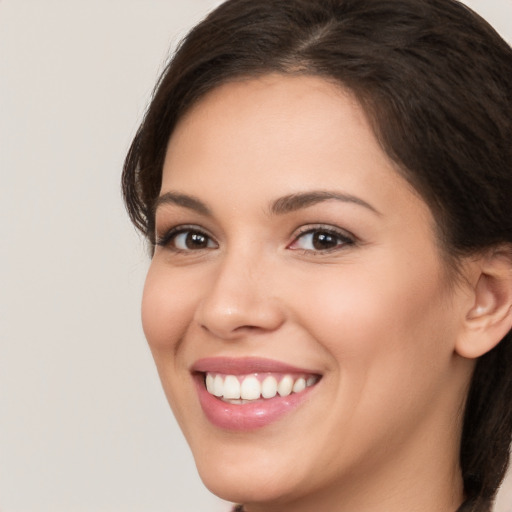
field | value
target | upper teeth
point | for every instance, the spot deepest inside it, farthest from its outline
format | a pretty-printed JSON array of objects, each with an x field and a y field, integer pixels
[{"x": 250, "y": 387}]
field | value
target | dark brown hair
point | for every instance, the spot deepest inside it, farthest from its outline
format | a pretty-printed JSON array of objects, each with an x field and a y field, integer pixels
[{"x": 435, "y": 80}]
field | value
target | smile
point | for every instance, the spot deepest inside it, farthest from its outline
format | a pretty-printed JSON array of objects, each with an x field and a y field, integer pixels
[
  {"x": 250, "y": 393},
  {"x": 241, "y": 389}
]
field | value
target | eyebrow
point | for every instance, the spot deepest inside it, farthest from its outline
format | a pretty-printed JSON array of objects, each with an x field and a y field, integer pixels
[
  {"x": 184, "y": 200},
  {"x": 294, "y": 202},
  {"x": 280, "y": 206}
]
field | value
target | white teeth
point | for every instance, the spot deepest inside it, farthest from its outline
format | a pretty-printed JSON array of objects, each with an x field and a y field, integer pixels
[
  {"x": 231, "y": 388},
  {"x": 284, "y": 388},
  {"x": 250, "y": 388},
  {"x": 218, "y": 386},
  {"x": 239, "y": 389},
  {"x": 269, "y": 387},
  {"x": 299, "y": 385},
  {"x": 209, "y": 383}
]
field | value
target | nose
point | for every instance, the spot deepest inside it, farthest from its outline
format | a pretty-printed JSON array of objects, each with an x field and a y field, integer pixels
[{"x": 239, "y": 299}]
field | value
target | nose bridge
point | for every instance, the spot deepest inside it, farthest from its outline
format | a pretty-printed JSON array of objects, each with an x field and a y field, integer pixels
[{"x": 240, "y": 296}]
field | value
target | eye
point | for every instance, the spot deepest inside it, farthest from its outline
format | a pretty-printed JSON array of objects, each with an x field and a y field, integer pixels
[
  {"x": 186, "y": 239},
  {"x": 321, "y": 239}
]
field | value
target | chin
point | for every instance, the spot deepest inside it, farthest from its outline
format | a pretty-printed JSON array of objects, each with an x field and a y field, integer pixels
[
  {"x": 248, "y": 477},
  {"x": 246, "y": 485}
]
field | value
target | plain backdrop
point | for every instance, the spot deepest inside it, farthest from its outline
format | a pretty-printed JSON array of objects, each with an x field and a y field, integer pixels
[{"x": 84, "y": 426}]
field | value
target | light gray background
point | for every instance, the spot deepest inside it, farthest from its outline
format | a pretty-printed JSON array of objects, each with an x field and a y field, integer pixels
[{"x": 84, "y": 426}]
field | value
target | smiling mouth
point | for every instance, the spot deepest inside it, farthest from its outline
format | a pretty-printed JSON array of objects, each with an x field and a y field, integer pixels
[
  {"x": 244, "y": 389},
  {"x": 249, "y": 393}
]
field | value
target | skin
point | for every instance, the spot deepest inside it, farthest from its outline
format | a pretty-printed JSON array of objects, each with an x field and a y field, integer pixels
[{"x": 376, "y": 316}]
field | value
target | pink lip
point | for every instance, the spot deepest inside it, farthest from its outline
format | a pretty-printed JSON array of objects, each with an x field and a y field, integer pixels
[
  {"x": 245, "y": 365},
  {"x": 248, "y": 416}
]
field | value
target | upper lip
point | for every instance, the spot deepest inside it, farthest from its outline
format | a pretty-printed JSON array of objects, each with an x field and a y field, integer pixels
[{"x": 245, "y": 365}]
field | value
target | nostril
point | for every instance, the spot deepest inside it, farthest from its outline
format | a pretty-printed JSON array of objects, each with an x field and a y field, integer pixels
[{"x": 234, "y": 333}]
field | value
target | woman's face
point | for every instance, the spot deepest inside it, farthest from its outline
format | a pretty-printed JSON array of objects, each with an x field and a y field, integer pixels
[{"x": 298, "y": 274}]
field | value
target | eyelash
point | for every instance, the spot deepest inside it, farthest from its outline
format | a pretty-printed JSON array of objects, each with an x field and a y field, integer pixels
[
  {"x": 342, "y": 239},
  {"x": 167, "y": 239}
]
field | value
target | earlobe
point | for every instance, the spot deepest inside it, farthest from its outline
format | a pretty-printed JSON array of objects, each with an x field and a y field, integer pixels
[{"x": 489, "y": 318}]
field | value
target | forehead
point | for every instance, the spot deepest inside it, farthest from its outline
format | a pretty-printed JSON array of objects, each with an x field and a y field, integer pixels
[
  {"x": 293, "y": 116},
  {"x": 277, "y": 135}
]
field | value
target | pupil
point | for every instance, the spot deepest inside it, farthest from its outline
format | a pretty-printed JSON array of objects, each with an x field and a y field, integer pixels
[
  {"x": 196, "y": 241},
  {"x": 324, "y": 241}
]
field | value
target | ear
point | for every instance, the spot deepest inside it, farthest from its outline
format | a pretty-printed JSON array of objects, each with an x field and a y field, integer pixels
[{"x": 489, "y": 317}]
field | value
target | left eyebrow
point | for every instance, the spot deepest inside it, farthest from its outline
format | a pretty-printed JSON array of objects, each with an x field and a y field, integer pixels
[
  {"x": 184, "y": 200},
  {"x": 294, "y": 202}
]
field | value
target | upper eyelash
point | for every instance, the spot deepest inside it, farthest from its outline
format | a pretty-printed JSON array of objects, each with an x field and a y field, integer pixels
[
  {"x": 347, "y": 238},
  {"x": 163, "y": 240}
]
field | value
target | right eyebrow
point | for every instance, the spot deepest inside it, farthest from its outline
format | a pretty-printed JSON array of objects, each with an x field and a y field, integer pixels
[
  {"x": 184, "y": 200},
  {"x": 293, "y": 202}
]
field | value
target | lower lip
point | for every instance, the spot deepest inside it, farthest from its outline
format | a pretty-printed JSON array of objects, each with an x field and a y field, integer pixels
[{"x": 248, "y": 416}]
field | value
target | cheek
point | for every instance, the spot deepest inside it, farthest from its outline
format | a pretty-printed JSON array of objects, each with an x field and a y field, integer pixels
[
  {"x": 389, "y": 335},
  {"x": 392, "y": 314},
  {"x": 167, "y": 309},
  {"x": 168, "y": 305}
]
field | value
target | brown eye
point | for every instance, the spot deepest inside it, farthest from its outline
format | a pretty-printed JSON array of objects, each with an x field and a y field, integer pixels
[
  {"x": 191, "y": 240},
  {"x": 186, "y": 240},
  {"x": 321, "y": 240}
]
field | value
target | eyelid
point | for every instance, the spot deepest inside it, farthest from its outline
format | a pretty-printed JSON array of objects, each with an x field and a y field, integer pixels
[
  {"x": 168, "y": 235},
  {"x": 347, "y": 238}
]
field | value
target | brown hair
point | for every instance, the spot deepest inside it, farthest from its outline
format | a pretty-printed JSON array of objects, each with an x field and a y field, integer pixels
[{"x": 436, "y": 82}]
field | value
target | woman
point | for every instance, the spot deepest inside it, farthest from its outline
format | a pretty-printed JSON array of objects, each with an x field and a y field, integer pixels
[{"x": 325, "y": 185}]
